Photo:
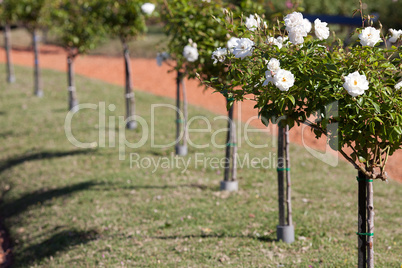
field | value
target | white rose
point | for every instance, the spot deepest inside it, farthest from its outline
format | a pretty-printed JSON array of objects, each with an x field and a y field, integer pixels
[
  {"x": 282, "y": 40},
  {"x": 219, "y": 55},
  {"x": 244, "y": 48},
  {"x": 269, "y": 78},
  {"x": 283, "y": 80},
  {"x": 355, "y": 84},
  {"x": 190, "y": 52},
  {"x": 395, "y": 35},
  {"x": 296, "y": 36},
  {"x": 293, "y": 20},
  {"x": 307, "y": 25},
  {"x": 274, "y": 65},
  {"x": 275, "y": 41},
  {"x": 398, "y": 86},
  {"x": 369, "y": 37},
  {"x": 252, "y": 22},
  {"x": 321, "y": 30},
  {"x": 148, "y": 8},
  {"x": 232, "y": 43}
]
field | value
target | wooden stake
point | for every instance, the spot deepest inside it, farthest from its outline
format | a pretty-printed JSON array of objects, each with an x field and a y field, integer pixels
[
  {"x": 370, "y": 224},
  {"x": 185, "y": 112},
  {"x": 229, "y": 143},
  {"x": 361, "y": 214},
  {"x": 288, "y": 182},
  {"x": 37, "y": 77},
  {"x": 281, "y": 166}
]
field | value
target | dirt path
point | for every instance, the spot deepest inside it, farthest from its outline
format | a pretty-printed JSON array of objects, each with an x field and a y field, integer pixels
[{"x": 147, "y": 76}]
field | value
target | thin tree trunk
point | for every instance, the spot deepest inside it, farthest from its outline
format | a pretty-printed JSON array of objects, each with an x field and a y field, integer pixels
[
  {"x": 281, "y": 177},
  {"x": 361, "y": 239},
  {"x": 370, "y": 224},
  {"x": 129, "y": 93},
  {"x": 185, "y": 112},
  {"x": 37, "y": 77},
  {"x": 72, "y": 98},
  {"x": 178, "y": 119},
  {"x": 7, "y": 44},
  {"x": 229, "y": 144},
  {"x": 288, "y": 182}
]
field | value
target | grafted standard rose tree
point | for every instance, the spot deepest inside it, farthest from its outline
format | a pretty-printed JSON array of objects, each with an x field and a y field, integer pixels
[
  {"x": 32, "y": 14},
  {"x": 79, "y": 27},
  {"x": 125, "y": 19},
  {"x": 195, "y": 38},
  {"x": 354, "y": 88}
]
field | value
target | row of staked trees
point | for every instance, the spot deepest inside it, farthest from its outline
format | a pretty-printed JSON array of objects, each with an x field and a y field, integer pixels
[{"x": 80, "y": 25}]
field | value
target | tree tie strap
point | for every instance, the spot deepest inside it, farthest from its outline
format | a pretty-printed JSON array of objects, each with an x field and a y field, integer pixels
[
  {"x": 130, "y": 95},
  {"x": 231, "y": 144},
  {"x": 364, "y": 179},
  {"x": 230, "y": 99},
  {"x": 367, "y": 234},
  {"x": 179, "y": 121},
  {"x": 283, "y": 169}
]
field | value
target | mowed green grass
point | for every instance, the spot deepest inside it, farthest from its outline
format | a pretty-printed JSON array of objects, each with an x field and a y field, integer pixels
[{"x": 71, "y": 207}]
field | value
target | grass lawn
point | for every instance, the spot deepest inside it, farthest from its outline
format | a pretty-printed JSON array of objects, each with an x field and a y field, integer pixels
[{"x": 71, "y": 207}]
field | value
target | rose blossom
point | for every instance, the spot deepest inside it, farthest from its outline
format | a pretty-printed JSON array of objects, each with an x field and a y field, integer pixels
[
  {"x": 307, "y": 25},
  {"x": 252, "y": 22},
  {"x": 283, "y": 80},
  {"x": 190, "y": 52},
  {"x": 148, "y": 8},
  {"x": 232, "y": 43},
  {"x": 369, "y": 37},
  {"x": 398, "y": 85},
  {"x": 355, "y": 84},
  {"x": 321, "y": 30},
  {"x": 395, "y": 35},
  {"x": 296, "y": 36},
  {"x": 274, "y": 65},
  {"x": 293, "y": 20},
  {"x": 219, "y": 54},
  {"x": 244, "y": 48}
]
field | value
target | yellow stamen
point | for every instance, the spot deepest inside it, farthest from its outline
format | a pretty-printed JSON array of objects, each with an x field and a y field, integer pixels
[{"x": 355, "y": 82}]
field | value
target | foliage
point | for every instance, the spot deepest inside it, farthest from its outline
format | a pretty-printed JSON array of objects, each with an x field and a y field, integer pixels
[
  {"x": 124, "y": 18},
  {"x": 79, "y": 23},
  {"x": 370, "y": 124},
  {"x": 30, "y": 13},
  {"x": 192, "y": 20}
]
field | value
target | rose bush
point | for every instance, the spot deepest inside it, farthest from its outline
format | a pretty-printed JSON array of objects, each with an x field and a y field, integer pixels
[{"x": 315, "y": 73}]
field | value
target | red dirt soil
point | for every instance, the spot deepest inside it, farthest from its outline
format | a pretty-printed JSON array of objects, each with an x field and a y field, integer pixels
[{"x": 147, "y": 76}]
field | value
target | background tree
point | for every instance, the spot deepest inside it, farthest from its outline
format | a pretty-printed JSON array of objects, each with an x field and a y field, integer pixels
[
  {"x": 192, "y": 23},
  {"x": 32, "y": 15},
  {"x": 126, "y": 20},
  {"x": 79, "y": 28},
  {"x": 5, "y": 18}
]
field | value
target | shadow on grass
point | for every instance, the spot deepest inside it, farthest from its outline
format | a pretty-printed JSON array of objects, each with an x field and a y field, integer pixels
[
  {"x": 12, "y": 162},
  {"x": 21, "y": 204},
  {"x": 58, "y": 242},
  {"x": 6, "y": 134},
  {"x": 174, "y": 237},
  {"x": 147, "y": 187}
]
